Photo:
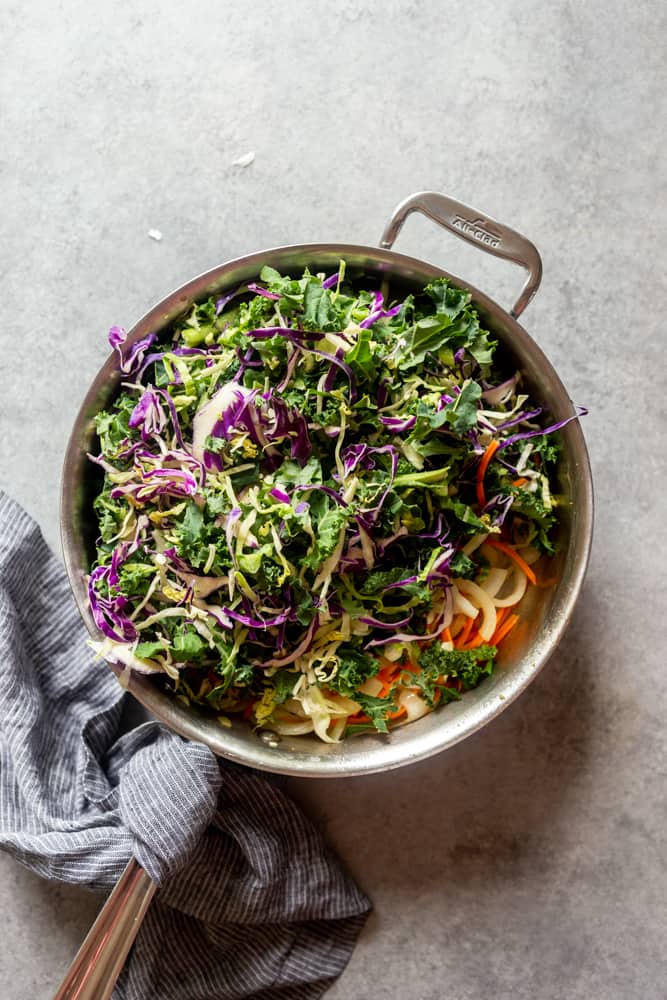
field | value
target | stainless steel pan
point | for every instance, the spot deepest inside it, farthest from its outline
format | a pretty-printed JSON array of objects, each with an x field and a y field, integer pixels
[{"x": 545, "y": 612}]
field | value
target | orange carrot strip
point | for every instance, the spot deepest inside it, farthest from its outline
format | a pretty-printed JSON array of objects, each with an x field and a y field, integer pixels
[
  {"x": 501, "y": 615},
  {"x": 398, "y": 713},
  {"x": 521, "y": 481},
  {"x": 457, "y": 624},
  {"x": 386, "y": 664},
  {"x": 504, "y": 630},
  {"x": 463, "y": 635},
  {"x": 357, "y": 720},
  {"x": 388, "y": 672},
  {"x": 473, "y": 643},
  {"x": 509, "y": 551},
  {"x": 446, "y": 635},
  {"x": 388, "y": 677},
  {"x": 481, "y": 470}
]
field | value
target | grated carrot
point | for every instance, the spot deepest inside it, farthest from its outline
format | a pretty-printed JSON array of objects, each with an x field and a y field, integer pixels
[
  {"x": 388, "y": 672},
  {"x": 464, "y": 634},
  {"x": 457, "y": 624},
  {"x": 386, "y": 687},
  {"x": 501, "y": 615},
  {"x": 357, "y": 720},
  {"x": 386, "y": 663},
  {"x": 398, "y": 713},
  {"x": 481, "y": 470},
  {"x": 504, "y": 630},
  {"x": 473, "y": 643},
  {"x": 509, "y": 551}
]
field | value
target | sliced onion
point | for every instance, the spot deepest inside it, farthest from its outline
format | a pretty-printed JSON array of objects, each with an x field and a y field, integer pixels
[
  {"x": 337, "y": 728},
  {"x": 494, "y": 580},
  {"x": 372, "y": 686},
  {"x": 414, "y": 705},
  {"x": 292, "y": 728},
  {"x": 485, "y": 604},
  {"x": 338, "y": 704},
  {"x": 463, "y": 606},
  {"x": 393, "y": 652},
  {"x": 517, "y": 592}
]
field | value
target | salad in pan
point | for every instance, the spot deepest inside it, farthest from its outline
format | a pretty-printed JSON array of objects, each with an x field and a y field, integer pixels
[{"x": 321, "y": 505}]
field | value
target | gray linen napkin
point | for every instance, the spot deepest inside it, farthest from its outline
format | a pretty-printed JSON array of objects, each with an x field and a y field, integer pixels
[{"x": 251, "y": 903}]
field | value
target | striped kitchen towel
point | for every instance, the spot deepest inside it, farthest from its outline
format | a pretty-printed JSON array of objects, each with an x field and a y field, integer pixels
[{"x": 251, "y": 902}]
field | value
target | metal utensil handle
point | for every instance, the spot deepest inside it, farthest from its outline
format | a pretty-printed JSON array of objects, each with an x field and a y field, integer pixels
[
  {"x": 470, "y": 225},
  {"x": 93, "y": 973}
]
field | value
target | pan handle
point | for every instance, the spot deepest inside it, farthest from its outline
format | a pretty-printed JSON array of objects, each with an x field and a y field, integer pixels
[
  {"x": 97, "y": 965},
  {"x": 470, "y": 225}
]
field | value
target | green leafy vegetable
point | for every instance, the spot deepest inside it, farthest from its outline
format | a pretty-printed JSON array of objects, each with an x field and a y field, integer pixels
[
  {"x": 462, "y": 413},
  {"x": 354, "y": 669},
  {"x": 468, "y": 666}
]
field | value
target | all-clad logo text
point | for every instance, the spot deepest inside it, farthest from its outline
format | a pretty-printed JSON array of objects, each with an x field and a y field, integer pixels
[{"x": 479, "y": 230}]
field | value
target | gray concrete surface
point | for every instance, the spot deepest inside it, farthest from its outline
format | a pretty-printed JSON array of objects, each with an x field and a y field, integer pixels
[{"x": 529, "y": 862}]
